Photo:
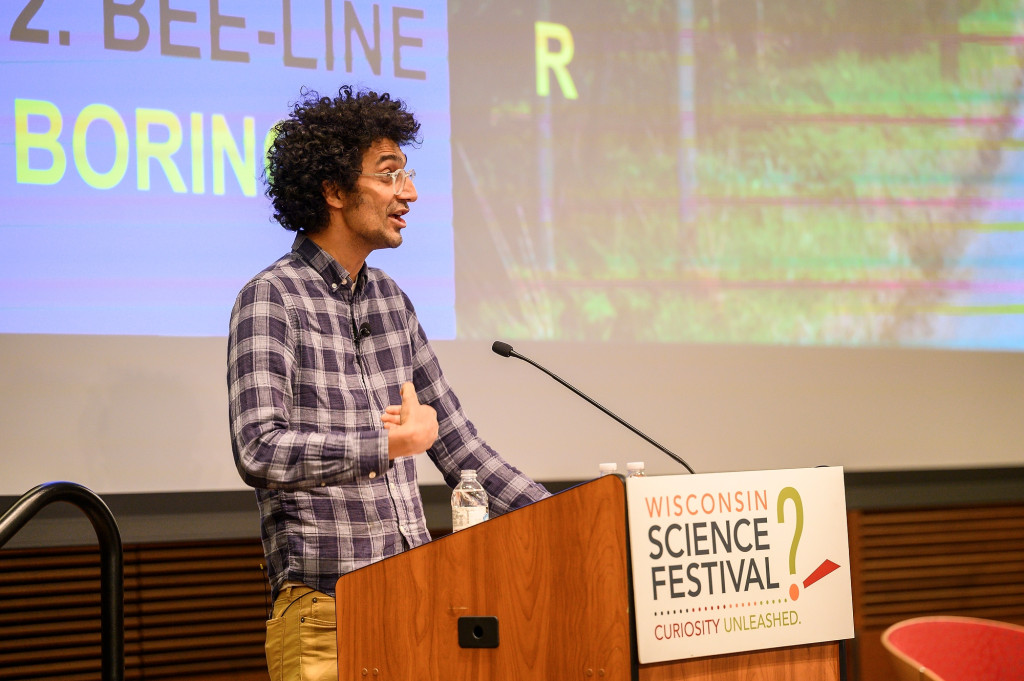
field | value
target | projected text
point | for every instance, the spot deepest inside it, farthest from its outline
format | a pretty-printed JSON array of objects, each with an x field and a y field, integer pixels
[
  {"x": 129, "y": 27},
  {"x": 158, "y": 138}
]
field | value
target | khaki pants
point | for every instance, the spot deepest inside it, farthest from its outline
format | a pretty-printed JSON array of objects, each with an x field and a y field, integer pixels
[{"x": 302, "y": 636}]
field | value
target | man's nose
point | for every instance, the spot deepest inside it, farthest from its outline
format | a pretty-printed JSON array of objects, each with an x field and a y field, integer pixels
[{"x": 408, "y": 192}]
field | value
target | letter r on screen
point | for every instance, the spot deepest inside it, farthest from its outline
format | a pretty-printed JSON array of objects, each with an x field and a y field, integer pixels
[{"x": 557, "y": 62}]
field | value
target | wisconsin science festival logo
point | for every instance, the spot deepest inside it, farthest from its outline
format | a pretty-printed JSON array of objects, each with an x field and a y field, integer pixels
[{"x": 727, "y": 554}]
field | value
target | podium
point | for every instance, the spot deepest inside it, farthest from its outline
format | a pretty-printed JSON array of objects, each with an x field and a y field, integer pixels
[{"x": 543, "y": 593}]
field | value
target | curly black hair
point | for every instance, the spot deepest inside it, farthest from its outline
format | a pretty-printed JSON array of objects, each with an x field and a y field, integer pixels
[{"x": 324, "y": 139}]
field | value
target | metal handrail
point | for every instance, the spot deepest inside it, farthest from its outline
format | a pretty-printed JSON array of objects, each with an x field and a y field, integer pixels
[{"x": 111, "y": 559}]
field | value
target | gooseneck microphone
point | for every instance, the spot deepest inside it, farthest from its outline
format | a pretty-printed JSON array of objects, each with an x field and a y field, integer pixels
[{"x": 505, "y": 350}]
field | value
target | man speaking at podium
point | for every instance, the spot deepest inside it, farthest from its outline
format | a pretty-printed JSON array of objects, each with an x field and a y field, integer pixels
[{"x": 333, "y": 386}]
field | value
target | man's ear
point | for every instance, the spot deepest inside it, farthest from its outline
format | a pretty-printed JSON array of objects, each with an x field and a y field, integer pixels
[{"x": 334, "y": 197}]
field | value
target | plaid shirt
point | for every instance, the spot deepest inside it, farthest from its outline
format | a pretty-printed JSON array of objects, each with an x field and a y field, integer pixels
[{"x": 306, "y": 392}]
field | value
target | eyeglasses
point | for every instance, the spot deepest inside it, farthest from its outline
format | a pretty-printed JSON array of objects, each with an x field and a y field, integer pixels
[{"x": 398, "y": 178}]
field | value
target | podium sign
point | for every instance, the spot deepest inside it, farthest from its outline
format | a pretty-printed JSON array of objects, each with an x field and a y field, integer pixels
[{"x": 730, "y": 562}]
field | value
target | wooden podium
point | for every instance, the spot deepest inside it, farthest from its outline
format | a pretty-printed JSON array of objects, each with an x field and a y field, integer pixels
[{"x": 549, "y": 584}]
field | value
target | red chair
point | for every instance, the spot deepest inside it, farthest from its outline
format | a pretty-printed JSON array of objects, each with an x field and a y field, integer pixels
[{"x": 956, "y": 649}]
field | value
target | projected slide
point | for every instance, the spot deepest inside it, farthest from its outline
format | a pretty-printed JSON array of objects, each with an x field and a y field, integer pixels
[
  {"x": 133, "y": 136},
  {"x": 842, "y": 172}
]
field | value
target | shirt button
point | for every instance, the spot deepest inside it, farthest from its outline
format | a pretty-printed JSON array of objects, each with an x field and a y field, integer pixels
[
  {"x": 402, "y": 528},
  {"x": 323, "y": 484},
  {"x": 344, "y": 282},
  {"x": 334, "y": 286},
  {"x": 373, "y": 474}
]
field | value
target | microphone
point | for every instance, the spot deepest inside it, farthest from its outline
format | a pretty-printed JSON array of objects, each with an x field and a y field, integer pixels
[
  {"x": 505, "y": 350},
  {"x": 365, "y": 330}
]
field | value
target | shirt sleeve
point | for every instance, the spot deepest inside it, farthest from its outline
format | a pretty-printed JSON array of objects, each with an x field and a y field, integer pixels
[
  {"x": 459, "y": 446},
  {"x": 271, "y": 450}
]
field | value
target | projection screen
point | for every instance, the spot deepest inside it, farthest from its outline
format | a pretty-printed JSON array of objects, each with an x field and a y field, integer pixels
[{"x": 769, "y": 234}]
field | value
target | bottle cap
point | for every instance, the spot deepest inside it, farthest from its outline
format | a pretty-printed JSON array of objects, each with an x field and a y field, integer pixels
[
  {"x": 635, "y": 466},
  {"x": 468, "y": 473},
  {"x": 608, "y": 467}
]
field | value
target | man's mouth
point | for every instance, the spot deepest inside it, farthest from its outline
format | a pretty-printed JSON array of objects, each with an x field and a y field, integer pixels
[{"x": 399, "y": 217}]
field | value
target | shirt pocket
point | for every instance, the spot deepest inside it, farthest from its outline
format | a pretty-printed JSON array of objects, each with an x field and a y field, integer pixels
[{"x": 328, "y": 379}]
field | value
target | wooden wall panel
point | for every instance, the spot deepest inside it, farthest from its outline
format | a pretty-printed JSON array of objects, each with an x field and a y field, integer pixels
[
  {"x": 192, "y": 611},
  {"x": 196, "y": 610},
  {"x": 942, "y": 561}
]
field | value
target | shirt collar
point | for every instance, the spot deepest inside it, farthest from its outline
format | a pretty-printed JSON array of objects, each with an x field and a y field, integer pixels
[{"x": 327, "y": 267}]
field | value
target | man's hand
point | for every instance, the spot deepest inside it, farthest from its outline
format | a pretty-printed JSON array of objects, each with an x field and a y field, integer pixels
[{"x": 412, "y": 427}]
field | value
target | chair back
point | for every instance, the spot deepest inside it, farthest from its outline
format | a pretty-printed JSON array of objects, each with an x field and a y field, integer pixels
[{"x": 948, "y": 648}]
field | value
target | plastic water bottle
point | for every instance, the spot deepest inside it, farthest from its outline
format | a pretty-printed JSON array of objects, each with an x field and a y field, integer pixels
[
  {"x": 635, "y": 469},
  {"x": 469, "y": 502},
  {"x": 608, "y": 469}
]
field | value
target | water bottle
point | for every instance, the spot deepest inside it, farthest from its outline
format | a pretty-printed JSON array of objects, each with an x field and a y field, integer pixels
[
  {"x": 608, "y": 469},
  {"x": 635, "y": 469},
  {"x": 469, "y": 502}
]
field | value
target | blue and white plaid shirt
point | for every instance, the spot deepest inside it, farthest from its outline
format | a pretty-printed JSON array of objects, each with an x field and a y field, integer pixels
[{"x": 306, "y": 393}]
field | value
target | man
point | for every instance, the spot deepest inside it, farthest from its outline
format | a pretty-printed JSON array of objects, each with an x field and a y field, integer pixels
[{"x": 333, "y": 386}]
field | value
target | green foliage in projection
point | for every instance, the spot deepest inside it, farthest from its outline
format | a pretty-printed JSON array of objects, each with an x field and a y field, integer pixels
[
  {"x": 846, "y": 179},
  {"x": 817, "y": 186}
]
